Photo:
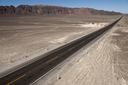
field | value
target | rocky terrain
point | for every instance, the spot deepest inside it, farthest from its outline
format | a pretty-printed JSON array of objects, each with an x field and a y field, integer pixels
[
  {"x": 22, "y": 36},
  {"x": 47, "y": 9},
  {"x": 103, "y": 63}
]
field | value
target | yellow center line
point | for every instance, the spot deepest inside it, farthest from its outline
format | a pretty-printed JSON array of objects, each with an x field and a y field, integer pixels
[
  {"x": 16, "y": 79},
  {"x": 90, "y": 38},
  {"x": 82, "y": 42},
  {"x": 71, "y": 48},
  {"x": 95, "y": 35},
  {"x": 52, "y": 59}
]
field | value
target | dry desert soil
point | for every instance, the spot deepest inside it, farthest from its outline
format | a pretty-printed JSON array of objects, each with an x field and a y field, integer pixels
[{"x": 104, "y": 63}]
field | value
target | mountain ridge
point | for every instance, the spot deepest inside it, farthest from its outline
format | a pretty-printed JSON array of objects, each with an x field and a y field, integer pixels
[{"x": 49, "y": 9}]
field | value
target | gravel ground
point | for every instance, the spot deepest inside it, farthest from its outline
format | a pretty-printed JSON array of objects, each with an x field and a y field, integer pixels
[
  {"x": 23, "y": 36},
  {"x": 105, "y": 63}
]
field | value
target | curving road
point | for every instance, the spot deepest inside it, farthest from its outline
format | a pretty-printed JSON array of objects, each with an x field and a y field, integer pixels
[{"x": 33, "y": 71}]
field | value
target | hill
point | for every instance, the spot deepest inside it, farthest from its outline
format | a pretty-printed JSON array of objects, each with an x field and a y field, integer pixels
[{"x": 48, "y": 9}]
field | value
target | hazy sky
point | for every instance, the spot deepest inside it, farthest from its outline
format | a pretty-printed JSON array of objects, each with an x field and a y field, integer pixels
[{"x": 108, "y": 5}]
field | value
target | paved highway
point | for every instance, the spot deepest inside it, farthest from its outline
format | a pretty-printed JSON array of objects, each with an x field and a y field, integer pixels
[{"x": 33, "y": 71}]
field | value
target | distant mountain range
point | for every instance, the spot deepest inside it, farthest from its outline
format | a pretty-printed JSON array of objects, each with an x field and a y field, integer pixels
[{"x": 48, "y": 9}]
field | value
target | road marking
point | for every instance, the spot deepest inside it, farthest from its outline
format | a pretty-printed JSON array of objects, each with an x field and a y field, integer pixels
[
  {"x": 82, "y": 42},
  {"x": 52, "y": 59},
  {"x": 16, "y": 79},
  {"x": 89, "y": 37},
  {"x": 71, "y": 48},
  {"x": 95, "y": 35}
]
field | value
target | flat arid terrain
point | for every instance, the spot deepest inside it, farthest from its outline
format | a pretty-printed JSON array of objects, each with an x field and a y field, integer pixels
[{"x": 104, "y": 63}]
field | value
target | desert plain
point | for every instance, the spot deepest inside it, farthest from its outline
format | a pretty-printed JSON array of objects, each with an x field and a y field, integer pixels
[{"x": 106, "y": 62}]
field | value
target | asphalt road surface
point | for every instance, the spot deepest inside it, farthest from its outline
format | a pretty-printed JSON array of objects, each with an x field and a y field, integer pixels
[{"x": 33, "y": 71}]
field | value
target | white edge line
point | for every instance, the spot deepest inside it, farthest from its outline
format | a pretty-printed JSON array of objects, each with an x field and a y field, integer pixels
[
  {"x": 98, "y": 38},
  {"x": 40, "y": 58},
  {"x": 42, "y": 54},
  {"x": 54, "y": 67},
  {"x": 46, "y": 52}
]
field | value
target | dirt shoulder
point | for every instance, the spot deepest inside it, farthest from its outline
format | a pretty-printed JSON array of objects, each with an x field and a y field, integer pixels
[
  {"x": 105, "y": 63},
  {"x": 28, "y": 35}
]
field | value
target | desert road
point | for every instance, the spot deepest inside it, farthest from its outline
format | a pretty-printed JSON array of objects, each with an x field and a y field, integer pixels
[{"x": 31, "y": 72}]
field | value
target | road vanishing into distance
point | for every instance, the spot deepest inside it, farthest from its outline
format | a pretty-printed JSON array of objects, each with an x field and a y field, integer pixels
[{"x": 33, "y": 71}]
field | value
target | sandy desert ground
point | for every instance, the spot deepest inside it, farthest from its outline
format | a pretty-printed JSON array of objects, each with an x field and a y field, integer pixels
[
  {"x": 27, "y": 35},
  {"x": 105, "y": 63}
]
